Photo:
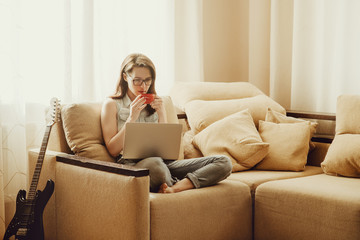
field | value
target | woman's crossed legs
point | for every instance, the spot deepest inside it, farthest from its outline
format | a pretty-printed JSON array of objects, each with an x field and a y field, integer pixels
[{"x": 193, "y": 173}]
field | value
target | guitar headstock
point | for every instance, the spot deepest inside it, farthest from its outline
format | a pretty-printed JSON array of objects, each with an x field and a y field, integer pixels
[{"x": 55, "y": 111}]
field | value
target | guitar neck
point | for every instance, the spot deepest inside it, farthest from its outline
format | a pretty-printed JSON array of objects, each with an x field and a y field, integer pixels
[{"x": 39, "y": 163}]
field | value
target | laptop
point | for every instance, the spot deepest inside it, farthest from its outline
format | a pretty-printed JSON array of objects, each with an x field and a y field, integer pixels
[{"x": 144, "y": 140}]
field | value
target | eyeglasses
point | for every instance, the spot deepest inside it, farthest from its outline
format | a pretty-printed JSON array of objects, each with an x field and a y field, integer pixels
[{"x": 139, "y": 82}]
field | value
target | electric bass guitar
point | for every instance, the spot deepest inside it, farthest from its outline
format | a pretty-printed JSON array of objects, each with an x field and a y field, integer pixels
[{"x": 27, "y": 223}]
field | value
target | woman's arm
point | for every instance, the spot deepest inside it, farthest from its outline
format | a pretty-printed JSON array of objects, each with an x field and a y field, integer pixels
[{"x": 114, "y": 139}]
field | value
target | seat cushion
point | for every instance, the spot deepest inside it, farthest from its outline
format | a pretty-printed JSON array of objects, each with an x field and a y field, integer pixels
[
  {"x": 253, "y": 178},
  {"x": 218, "y": 212},
  {"x": 314, "y": 207}
]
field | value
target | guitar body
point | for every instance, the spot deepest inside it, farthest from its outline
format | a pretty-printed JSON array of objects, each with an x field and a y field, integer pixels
[{"x": 27, "y": 223}]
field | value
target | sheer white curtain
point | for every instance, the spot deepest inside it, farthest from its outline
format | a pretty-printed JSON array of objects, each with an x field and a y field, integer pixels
[
  {"x": 100, "y": 34},
  {"x": 315, "y": 52},
  {"x": 326, "y": 53},
  {"x": 71, "y": 50}
]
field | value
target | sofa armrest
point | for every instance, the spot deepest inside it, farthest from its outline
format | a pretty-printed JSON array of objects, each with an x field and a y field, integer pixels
[
  {"x": 100, "y": 200},
  {"x": 102, "y": 165}
]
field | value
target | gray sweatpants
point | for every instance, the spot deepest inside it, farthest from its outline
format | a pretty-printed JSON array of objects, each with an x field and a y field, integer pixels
[{"x": 202, "y": 172}]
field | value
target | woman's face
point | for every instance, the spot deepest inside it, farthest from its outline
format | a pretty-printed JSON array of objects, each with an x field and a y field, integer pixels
[{"x": 139, "y": 75}]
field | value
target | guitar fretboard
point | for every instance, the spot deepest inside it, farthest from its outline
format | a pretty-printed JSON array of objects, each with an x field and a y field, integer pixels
[{"x": 39, "y": 163}]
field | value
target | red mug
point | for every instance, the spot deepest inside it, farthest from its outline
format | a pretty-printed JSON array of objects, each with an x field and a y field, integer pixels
[{"x": 149, "y": 97}]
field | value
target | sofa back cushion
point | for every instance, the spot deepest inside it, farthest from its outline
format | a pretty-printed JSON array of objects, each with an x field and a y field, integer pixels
[
  {"x": 202, "y": 113},
  {"x": 82, "y": 128},
  {"x": 184, "y": 92}
]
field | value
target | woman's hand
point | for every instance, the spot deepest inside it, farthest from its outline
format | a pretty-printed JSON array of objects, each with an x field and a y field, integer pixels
[
  {"x": 159, "y": 107},
  {"x": 136, "y": 107}
]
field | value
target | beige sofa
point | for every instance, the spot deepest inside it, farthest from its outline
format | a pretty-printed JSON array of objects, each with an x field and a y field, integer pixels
[
  {"x": 96, "y": 198},
  {"x": 307, "y": 204}
]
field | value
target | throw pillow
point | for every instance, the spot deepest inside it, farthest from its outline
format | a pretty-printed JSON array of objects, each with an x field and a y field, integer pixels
[
  {"x": 289, "y": 145},
  {"x": 348, "y": 114},
  {"x": 190, "y": 151},
  {"x": 276, "y": 117},
  {"x": 82, "y": 127},
  {"x": 343, "y": 156},
  {"x": 201, "y": 113},
  {"x": 236, "y": 137}
]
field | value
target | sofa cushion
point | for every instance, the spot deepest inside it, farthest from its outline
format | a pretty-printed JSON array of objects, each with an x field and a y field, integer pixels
[
  {"x": 289, "y": 145},
  {"x": 201, "y": 113},
  {"x": 276, "y": 117},
  {"x": 236, "y": 137},
  {"x": 184, "y": 92},
  {"x": 348, "y": 114},
  {"x": 315, "y": 207},
  {"x": 190, "y": 151},
  {"x": 343, "y": 156},
  {"x": 82, "y": 127},
  {"x": 219, "y": 212},
  {"x": 254, "y": 178}
]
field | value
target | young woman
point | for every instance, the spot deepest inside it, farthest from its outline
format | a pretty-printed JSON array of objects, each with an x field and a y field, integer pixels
[{"x": 137, "y": 76}]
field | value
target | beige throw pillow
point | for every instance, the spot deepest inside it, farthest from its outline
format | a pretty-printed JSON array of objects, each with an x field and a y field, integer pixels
[
  {"x": 276, "y": 117},
  {"x": 201, "y": 113},
  {"x": 236, "y": 137},
  {"x": 289, "y": 145},
  {"x": 82, "y": 127},
  {"x": 190, "y": 151},
  {"x": 348, "y": 114},
  {"x": 343, "y": 156}
]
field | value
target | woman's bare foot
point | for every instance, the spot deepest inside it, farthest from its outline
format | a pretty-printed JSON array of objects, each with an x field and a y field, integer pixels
[
  {"x": 164, "y": 188},
  {"x": 182, "y": 185}
]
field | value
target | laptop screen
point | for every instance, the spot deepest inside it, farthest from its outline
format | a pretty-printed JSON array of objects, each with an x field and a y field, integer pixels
[{"x": 144, "y": 140}]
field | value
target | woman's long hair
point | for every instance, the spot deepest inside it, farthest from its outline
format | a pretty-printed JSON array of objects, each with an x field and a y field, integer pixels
[{"x": 131, "y": 61}]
